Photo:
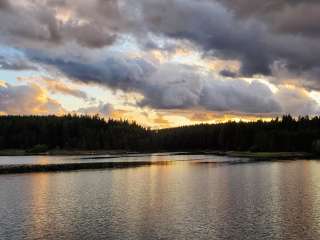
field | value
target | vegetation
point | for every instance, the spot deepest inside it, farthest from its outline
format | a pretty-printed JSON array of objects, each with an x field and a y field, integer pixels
[
  {"x": 41, "y": 133},
  {"x": 279, "y": 135},
  {"x": 39, "y": 148},
  {"x": 71, "y": 132}
]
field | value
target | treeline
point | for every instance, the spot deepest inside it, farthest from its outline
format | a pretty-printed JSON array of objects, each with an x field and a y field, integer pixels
[
  {"x": 285, "y": 134},
  {"x": 94, "y": 133},
  {"x": 70, "y": 132}
]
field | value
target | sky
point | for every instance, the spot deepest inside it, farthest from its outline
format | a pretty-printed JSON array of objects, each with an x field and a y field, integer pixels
[{"x": 161, "y": 63}]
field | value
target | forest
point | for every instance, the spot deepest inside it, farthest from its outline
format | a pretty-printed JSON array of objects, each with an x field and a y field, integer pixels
[{"x": 73, "y": 132}]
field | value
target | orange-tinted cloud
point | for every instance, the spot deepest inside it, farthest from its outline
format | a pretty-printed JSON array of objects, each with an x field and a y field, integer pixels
[
  {"x": 59, "y": 87},
  {"x": 162, "y": 122},
  {"x": 56, "y": 86},
  {"x": 27, "y": 99}
]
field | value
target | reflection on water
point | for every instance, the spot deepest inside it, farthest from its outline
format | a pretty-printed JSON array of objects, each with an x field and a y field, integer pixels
[
  {"x": 277, "y": 200},
  {"x": 4, "y": 160}
]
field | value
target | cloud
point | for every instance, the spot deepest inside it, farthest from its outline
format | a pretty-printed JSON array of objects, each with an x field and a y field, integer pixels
[
  {"x": 286, "y": 16},
  {"x": 4, "y": 4},
  {"x": 171, "y": 86},
  {"x": 214, "y": 26},
  {"x": 210, "y": 117},
  {"x": 219, "y": 32},
  {"x": 15, "y": 64},
  {"x": 161, "y": 122},
  {"x": 297, "y": 101},
  {"x": 27, "y": 99},
  {"x": 181, "y": 87},
  {"x": 228, "y": 73},
  {"x": 174, "y": 86},
  {"x": 56, "y": 86},
  {"x": 293, "y": 19},
  {"x": 260, "y": 36},
  {"x": 41, "y": 24},
  {"x": 103, "y": 109},
  {"x": 117, "y": 72}
]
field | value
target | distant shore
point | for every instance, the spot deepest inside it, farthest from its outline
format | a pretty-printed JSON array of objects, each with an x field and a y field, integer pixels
[{"x": 240, "y": 154}]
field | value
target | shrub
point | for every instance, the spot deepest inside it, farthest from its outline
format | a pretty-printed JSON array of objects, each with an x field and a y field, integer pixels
[{"x": 39, "y": 148}]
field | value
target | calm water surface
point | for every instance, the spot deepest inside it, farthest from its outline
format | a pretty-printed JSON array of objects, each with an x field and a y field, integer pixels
[
  {"x": 184, "y": 200},
  {"x": 7, "y": 160}
]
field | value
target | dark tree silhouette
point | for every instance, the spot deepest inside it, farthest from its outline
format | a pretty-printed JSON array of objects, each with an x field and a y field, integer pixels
[
  {"x": 94, "y": 133},
  {"x": 69, "y": 132}
]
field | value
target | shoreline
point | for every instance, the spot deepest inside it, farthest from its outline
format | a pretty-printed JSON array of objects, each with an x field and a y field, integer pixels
[
  {"x": 244, "y": 157},
  {"x": 87, "y": 166},
  {"x": 241, "y": 154},
  {"x": 67, "y": 167}
]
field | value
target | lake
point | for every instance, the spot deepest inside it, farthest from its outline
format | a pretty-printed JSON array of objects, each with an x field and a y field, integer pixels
[{"x": 192, "y": 199}]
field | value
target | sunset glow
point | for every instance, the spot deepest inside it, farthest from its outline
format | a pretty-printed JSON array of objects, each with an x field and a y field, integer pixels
[{"x": 159, "y": 63}]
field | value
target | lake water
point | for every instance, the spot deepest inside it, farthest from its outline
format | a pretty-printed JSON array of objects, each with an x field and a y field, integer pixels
[
  {"x": 8, "y": 160},
  {"x": 183, "y": 200}
]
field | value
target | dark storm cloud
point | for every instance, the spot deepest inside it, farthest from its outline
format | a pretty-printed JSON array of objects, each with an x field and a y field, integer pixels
[
  {"x": 228, "y": 73},
  {"x": 244, "y": 30},
  {"x": 213, "y": 28},
  {"x": 4, "y": 5},
  {"x": 116, "y": 72},
  {"x": 37, "y": 24},
  {"x": 171, "y": 86},
  {"x": 221, "y": 33},
  {"x": 182, "y": 87},
  {"x": 291, "y": 16},
  {"x": 252, "y": 7},
  {"x": 21, "y": 25},
  {"x": 258, "y": 34},
  {"x": 179, "y": 86},
  {"x": 185, "y": 88},
  {"x": 301, "y": 19}
]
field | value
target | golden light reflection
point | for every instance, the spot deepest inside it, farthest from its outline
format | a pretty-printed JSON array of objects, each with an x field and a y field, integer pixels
[
  {"x": 43, "y": 160},
  {"x": 312, "y": 171},
  {"x": 39, "y": 204}
]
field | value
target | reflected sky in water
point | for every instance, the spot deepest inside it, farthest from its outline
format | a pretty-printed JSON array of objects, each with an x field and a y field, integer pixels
[
  {"x": 276, "y": 200},
  {"x": 7, "y": 160}
]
